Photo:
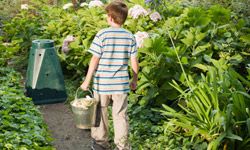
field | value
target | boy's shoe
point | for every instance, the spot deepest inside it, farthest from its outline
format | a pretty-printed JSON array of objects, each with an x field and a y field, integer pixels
[
  {"x": 116, "y": 148},
  {"x": 96, "y": 146}
]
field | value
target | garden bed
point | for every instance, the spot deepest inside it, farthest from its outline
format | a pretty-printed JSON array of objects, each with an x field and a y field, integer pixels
[
  {"x": 194, "y": 80},
  {"x": 21, "y": 123}
]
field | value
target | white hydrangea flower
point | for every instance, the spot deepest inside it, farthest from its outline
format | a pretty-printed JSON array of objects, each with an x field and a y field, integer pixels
[
  {"x": 6, "y": 44},
  {"x": 155, "y": 16},
  {"x": 95, "y": 3},
  {"x": 137, "y": 11},
  {"x": 139, "y": 37},
  {"x": 25, "y": 6},
  {"x": 67, "y": 6},
  {"x": 84, "y": 4}
]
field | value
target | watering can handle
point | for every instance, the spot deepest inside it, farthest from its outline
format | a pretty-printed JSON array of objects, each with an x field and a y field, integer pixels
[{"x": 88, "y": 90}]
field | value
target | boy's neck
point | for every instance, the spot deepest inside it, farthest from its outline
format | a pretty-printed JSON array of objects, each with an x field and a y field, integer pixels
[{"x": 114, "y": 25}]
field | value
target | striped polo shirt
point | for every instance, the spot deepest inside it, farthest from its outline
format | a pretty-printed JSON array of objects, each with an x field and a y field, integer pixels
[{"x": 114, "y": 47}]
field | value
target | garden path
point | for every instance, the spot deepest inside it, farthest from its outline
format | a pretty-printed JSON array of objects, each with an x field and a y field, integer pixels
[{"x": 59, "y": 119}]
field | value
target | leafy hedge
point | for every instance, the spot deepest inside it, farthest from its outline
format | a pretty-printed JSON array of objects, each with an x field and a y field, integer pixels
[
  {"x": 21, "y": 124},
  {"x": 187, "y": 47}
]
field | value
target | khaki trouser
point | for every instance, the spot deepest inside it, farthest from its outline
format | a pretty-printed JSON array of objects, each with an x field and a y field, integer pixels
[{"x": 120, "y": 119}]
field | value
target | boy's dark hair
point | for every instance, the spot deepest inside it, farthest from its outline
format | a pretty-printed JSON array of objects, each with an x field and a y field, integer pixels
[{"x": 118, "y": 11}]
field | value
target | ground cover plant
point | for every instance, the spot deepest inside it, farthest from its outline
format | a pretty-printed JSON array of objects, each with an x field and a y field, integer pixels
[
  {"x": 193, "y": 88},
  {"x": 21, "y": 124}
]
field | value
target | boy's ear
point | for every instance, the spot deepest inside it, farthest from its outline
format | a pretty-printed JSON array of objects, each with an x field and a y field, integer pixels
[{"x": 111, "y": 19}]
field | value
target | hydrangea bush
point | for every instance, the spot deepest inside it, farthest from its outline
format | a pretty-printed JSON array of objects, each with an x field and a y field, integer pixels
[{"x": 176, "y": 42}]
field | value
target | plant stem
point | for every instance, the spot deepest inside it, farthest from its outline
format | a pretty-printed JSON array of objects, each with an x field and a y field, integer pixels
[{"x": 177, "y": 55}]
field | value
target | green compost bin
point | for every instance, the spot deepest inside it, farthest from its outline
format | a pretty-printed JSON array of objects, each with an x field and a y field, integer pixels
[{"x": 44, "y": 78}]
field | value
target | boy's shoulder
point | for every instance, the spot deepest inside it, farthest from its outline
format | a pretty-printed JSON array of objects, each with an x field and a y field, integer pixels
[
  {"x": 102, "y": 31},
  {"x": 106, "y": 31}
]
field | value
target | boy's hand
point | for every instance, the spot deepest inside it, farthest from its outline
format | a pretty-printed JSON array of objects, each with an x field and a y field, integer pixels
[
  {"x": 85, "y": 86},
  {"x": 133, "y": 85}
]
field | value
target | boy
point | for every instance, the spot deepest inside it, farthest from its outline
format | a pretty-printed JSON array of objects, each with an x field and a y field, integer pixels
[{"x": 111, "y": 48}]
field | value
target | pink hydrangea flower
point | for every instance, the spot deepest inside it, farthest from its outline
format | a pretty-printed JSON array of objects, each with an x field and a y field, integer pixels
[
  {"x": 155, "y": 16},
  {"x": 66, "y": 42},
  {"x": 139, "y": 37},
  {"x": 137, "y": 11}
]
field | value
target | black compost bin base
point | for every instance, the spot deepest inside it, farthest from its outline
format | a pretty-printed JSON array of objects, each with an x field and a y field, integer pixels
[{"x": 46, "y": 96}]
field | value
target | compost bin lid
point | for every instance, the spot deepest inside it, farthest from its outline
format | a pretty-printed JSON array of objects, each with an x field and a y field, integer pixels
[{"x": 42, "y": 43}]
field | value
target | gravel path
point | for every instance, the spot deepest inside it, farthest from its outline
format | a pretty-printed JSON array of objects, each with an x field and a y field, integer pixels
[{"x": 59, "y": 119}]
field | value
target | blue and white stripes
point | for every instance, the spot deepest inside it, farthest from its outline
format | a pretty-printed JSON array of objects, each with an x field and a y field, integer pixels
[{"x": 114, "y": 47}]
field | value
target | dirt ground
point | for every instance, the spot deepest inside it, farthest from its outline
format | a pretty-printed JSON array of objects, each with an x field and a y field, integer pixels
[{"x": 59, "y": 119}]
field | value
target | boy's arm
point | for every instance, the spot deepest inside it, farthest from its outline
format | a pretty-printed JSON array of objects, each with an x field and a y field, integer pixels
[
  {"x": 92, "y": 67},
  {"x": 135, "y": 68}
]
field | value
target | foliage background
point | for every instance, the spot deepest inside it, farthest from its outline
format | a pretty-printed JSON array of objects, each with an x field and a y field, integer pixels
[{"x": 194, "y": 77}]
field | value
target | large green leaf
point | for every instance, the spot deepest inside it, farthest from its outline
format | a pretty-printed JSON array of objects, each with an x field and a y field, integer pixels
[
  {"x": 197, "y": 16},
  {"x": 245, "y": 38},
  {"x": 204, "y": 68},
  {"x": 200, "y": 49},
  {"x": 189, "y": 39},
  {"x": 219, "y": 14}
]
